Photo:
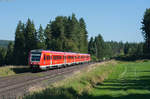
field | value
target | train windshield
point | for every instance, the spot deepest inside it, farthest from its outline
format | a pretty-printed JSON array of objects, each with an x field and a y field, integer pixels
[{"x": 35, "y": 56}]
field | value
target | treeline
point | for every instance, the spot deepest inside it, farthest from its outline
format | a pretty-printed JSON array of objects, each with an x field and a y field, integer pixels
[
  {"x": 63, "y": 34},
  {"x": 70, "y": 34},
  {"x": 101, "y": 50}
]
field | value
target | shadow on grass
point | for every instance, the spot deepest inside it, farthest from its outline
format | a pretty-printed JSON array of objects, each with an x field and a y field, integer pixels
[
  {"x": 70, "y": 93},
  {"x": 19, "y": 70},
  {"x": 139, "y": 83},
  {"x": 131, "y": 96}
]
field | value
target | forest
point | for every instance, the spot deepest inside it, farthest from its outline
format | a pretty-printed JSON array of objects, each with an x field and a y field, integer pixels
[{"x": 67, "y": 33}]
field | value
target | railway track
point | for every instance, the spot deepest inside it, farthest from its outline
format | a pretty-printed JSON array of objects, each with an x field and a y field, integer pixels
[{"x": 12, "y": 87}]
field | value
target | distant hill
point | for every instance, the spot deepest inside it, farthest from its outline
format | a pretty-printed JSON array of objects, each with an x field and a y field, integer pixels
[{"x": 4, "y": 43}]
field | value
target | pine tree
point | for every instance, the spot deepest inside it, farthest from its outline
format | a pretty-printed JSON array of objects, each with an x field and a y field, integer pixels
[
  {"x": 57, "y": 30},
  {"x": 41, "y": 38},
  {"x": 74, "y": 33},
  {"x": 30, "y": 38},
  {"x": 48, "y": 36},
  {"x": 91, "y": 49},
  {"x": 83, "y": 42},
  {"x": 9, "y": 56},
  {"x": 19, "y": 46},
  {"x": 146, "y": 31},
  {"x": 2, "y": 56},
  {"x": 99, "y": 47}
]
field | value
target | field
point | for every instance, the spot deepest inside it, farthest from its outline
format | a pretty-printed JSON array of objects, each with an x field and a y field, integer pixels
[{"x": 112, "y": 80}]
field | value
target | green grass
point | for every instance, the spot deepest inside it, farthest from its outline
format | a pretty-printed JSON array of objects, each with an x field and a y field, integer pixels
[
  {"x": 128, "y": 81},
  {"x": 125, "y": 80}
]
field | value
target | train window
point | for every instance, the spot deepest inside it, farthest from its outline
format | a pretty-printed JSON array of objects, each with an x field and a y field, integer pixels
[
  {"x": 57, "y": 57},
  {"x": 54, "y": 57}
]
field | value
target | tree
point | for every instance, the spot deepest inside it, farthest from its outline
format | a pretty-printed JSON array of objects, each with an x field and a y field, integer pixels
[
  {"x": 58, "y": 35},
  {"x": 83, "y": 42},
  {"x": 48, "y": 36},
  {"x": 2, "y": 56},
  {"x": 19, "y": 45},
  {"x": 41, "y": 39},
  {"x": 9, "y": 56},
  {"x": 99, "y": 47},
  {"x": 74, "y": 32},
  {"x": 146, "y": 30},
  {"x": 30, "y": 38},
  {"x": 91, "y": 49}
]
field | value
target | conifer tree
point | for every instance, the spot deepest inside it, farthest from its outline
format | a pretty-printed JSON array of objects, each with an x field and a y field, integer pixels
[
  {"x": 146, "y": 31},
  {"x": 19, "y": 44},
  {"x": 30, "y": 38},
  {"x": 9, "y": 56},
  {"x": 48, "y": 36},
  {"x": 91, "y": 49},
  {"x": 58, "y": 36},
  {"x": 2, "y": 56},
  {"x": 83, "y": 42},
  {"x": 41, "y": 38}
]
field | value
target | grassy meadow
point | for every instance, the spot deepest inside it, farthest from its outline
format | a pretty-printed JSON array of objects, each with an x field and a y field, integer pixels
[{"x": 111, "y": 80}]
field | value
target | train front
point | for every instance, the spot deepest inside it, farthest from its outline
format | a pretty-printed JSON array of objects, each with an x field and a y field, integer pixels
[{"x": 34, "y": 59}]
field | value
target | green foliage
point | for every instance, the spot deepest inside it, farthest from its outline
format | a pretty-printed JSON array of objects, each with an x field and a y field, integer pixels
[
  {"x": 4, "y": 43},
  {"x": 105, "y": 50},
  {"x": 146, "y": 31},
  {"x": 82, "y": 39},
  {"x": 41, "y": 39},
  {"x": 2, "y": 56},
  {"x": 62, "y": 34},
  {"x": 30, "y": 38},
  {"x": 66, "y": 34},
  {"x": 19, "y": 44},
  {"x": 97, "y": 47},
  {"x": 69, "y": 34},
  {"x": 9, "y": 56}
]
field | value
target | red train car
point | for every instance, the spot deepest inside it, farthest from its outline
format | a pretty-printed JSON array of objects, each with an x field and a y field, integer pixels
[{"x": 44, "y": 59}]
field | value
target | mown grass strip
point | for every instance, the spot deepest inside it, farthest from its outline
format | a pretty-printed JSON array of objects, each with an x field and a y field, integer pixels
[{"x": 133, "y": 84}]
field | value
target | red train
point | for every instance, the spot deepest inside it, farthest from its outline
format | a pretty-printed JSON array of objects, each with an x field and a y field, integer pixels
[{"x": 44, "y": 59}]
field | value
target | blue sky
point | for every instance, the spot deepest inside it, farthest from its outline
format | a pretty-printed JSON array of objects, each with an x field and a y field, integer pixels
[{"x": 118, "y": 20}]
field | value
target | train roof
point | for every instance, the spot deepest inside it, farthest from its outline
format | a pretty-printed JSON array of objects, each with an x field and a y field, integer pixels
[{"x": 41, "y": 50}]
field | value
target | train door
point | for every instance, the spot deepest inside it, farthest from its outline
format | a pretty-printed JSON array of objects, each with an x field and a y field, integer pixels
[
  {"x": 50, "y": 59},
  {"x": 65, "y": 59},
  {"x": 44, "y": 60}
]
